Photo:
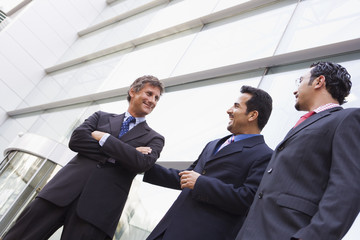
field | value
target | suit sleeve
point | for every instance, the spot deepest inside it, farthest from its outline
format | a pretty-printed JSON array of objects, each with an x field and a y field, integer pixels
[
  {"x": 235, "y": 200},
  {"x": 83, "y": 143},
  {"x": 161, "y": 176},
  {"x": 340, "y": 203},
  {"x": 165, "y": 177},
  {"x": 131, "y": 159}
]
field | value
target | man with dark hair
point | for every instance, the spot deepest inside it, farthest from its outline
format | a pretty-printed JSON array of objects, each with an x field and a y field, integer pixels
[
  {"x": 218, "y": 188},
  {"x": 87, "y": 195},
  {"x": 310, "y": 188}
]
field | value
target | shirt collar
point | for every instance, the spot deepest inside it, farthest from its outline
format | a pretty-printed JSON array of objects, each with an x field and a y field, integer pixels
[
  {"x": 326, "y": 107},
  {"x": 138, "y": 119},
  {"x": 244, "y": 136}
]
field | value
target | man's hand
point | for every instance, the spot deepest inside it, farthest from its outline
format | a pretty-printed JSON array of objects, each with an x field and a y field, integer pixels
[
  {"x": 188, "y": 179},
  {"x": 97, "y": 135},
  {"x": 144, "y": 150}
]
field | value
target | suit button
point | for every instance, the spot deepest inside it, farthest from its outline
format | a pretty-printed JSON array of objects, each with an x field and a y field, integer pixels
[
  {"x": 280, "y": 148},
  {"x": 203, "y": 172},
  {"x": 99, "y": 165},
  {"x": 261, "y": 195},
  {"x": 270, "y": 170}
]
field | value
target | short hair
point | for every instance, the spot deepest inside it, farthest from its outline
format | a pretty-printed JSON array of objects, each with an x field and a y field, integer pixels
[
  {"x": 260, "y": 101},
  {"x": 140, "y": 82},
  {"x": 337, "y": 79}
]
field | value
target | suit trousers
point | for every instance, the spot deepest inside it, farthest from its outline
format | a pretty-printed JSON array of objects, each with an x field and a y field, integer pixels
[{"x": 41, "y": 218}]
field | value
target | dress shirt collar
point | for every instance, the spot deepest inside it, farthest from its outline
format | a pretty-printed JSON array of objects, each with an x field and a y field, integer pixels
[
  {"x": 326, "y": 107},
  {"x": 138, "y": 119},
  {"x": 244, "y": 136}
]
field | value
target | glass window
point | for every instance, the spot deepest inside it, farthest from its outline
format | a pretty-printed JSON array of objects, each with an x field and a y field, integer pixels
[
  {"x": 119, "y": 7},
  {"x": 242, "y": 38},
  {"x": 223, "y": 4},
  {"x": 21, "y": 176},
  {"x": 280, "y": 84},
  {"x": 174, "y": 14},
  {"x": 190, "y": 116},
  {"x": 110, "y": 36},
  {"x": 158, "y": 59},
  {"x": 318, "y": 23},
  {"x": 74, "y": 81}
]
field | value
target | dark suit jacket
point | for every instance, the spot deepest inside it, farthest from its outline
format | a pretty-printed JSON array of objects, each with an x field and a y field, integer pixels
[
  {"x": 216, "y": 207},
  {"x": 103, "y": 187},
  {"x": 311, "y": 187}
]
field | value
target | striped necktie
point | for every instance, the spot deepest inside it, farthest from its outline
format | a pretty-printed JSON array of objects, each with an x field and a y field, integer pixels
[{"x": 227, "y": 142}]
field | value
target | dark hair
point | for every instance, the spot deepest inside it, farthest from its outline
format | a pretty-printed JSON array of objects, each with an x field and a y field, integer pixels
[
  {"x": 337, "y": 79},
  {"x": 140, "y": 82},
  {"x": 260, "y": 101}
]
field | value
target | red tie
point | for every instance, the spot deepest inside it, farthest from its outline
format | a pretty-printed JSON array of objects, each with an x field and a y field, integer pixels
[{"x": 302, "y": 118}]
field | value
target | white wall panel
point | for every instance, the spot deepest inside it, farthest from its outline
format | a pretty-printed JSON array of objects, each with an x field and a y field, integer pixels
[
  {"x": 318, "y": 23},
  {"x": 179, "y": 12},
  {"x": 31, "y": 43},
  {"x": 17, "y": 56},
  {"x": 223, "y": 4},
  {"x": 10, "y": 128},
  {"x": 238, "y": 39},
  {"x": 71, "y": 14},
  {"x": 119, "y": 7},
  {"x": 8, "y": 98},
  {"x": 85, "y": 9},
  {"x": 3, "y": 144},
  {"x": 34, "y": 98},
  {"x": 154, "y": 59},
  {"x": 55, "y": 20},
  {"x": 15, "y": 79},
  {"x": 3, "y": 117}
]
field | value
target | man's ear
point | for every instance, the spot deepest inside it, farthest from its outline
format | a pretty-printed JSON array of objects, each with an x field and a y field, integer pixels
[
  {"x": 253, "y": 115},
  {"x": 132, "y": 92},
  {"x": 320, "y": 81}
]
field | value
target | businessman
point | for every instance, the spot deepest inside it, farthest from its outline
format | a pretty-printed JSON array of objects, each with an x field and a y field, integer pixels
[
  {"x": 87, "y": 195},
  {"x": 219, "y": 187},
  {"x": 310, "y": 189}
]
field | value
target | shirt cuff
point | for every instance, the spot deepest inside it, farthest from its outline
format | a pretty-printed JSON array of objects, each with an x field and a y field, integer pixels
[{"x": 104, "y": 138}]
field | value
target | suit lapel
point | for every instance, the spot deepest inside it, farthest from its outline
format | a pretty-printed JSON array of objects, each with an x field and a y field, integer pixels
[
  {"x": 234, "y": 147},
  {"x": 115, "y": 124},
  {"x": 313, "y": 119},
  {"x": 139, "y": 130}
]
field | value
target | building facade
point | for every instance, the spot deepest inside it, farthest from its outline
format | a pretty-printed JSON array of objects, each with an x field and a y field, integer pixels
[{"x": 61, "y": 60}]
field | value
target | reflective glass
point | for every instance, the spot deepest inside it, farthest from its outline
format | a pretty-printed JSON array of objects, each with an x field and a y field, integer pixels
[
  {"x": 223, "y": 4},
  {"x": 79, "y": 80},
  {"x": 316, "y": 23},
  {"x": 114, "y": 34},
  {"x": 14, "y": 178},
  {"x": 158, "y": 59},
  {"x": 241, "y": 38},
  {"x": 119, "y": 7},
  {"x": 280, "y": 84},
  {"x": 174, "y": 14},
  {"x": 190, "y": 116}
]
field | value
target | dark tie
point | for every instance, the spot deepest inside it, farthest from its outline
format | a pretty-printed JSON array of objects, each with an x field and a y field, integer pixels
[
  {"x": 125, "y": 125},
  {"x": 302, "y": 118}
]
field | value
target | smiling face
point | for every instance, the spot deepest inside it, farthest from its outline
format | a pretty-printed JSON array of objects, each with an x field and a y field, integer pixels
[
  {"x": 143, "y": 102},
  {"x": 238, "y": 123}
]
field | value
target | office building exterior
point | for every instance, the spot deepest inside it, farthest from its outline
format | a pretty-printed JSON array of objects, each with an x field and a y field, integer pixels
[{"x": 62, "y": 60}]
